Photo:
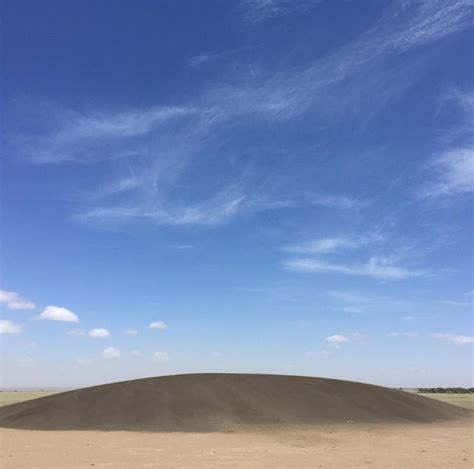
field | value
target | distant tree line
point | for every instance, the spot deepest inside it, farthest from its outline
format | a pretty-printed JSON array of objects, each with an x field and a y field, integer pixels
[{"x": 448, "y": 390}]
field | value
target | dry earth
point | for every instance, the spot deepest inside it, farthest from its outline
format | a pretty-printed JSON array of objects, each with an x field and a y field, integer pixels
[{"x": 340, "y": 446}]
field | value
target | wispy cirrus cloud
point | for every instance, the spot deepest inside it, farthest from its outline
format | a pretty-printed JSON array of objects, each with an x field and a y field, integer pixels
[
  {"x": 376, "y": 267},
  {"x": 323, "y": 246},
  {"x": 257, "y": 11},
  {"x": 454, "y": 173},
  {"x": 452, "y": 170},
  {"x": 97, "y": 136},
  {"x": 455, "y": 339},
  {"x": 334, "y": 244},
  {"x": 164, "y": 145},
  {"x": 201, "y": 59}
]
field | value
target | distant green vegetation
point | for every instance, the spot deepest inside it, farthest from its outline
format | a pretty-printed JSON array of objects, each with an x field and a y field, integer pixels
[
  {"x": 460, "y": 399},
  {"x": 446, "y": 390},
  {"x": 10, "y": 397}
]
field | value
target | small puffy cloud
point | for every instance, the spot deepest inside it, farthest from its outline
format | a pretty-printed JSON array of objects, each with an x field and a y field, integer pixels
[
  {"x": 111, "y": 352},
  {"x": 57, "y": 313},
  {"x": 158, "y": 325},
  {"x": 336, "y": 340},
  {"x": 99, "y": 333},
  {"x": 455, "y": 339},
  {"x": 130, "y": 332},
  {"x": 76, "y": 332},
  {"x": 14, "y": 301},
  {"x": 136, "y": 353},
  {"x": 9, "y": 327},
  {"x": 161, "y": 357}
]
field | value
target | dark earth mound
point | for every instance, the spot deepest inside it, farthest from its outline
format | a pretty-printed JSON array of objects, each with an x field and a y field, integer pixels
[{"x": 220, "y": 402}]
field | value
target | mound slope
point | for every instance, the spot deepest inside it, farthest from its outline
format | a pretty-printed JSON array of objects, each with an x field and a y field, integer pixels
[{"x": 216, "y": 402}]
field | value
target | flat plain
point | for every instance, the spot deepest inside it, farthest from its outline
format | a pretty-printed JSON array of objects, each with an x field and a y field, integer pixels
[
  {"x": 210, "y": 421},
  {"x": 334, "y": 446},
  {"x": 12, "y": 397},
  {"x": 461, "y": 400}
]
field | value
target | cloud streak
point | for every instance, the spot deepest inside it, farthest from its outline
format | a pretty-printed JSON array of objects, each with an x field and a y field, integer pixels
[
  {"x": 376, "y": 267},
  {"x": 258, "y": 11},
  {"x": 166, "y": 147},
  {"x": 455, "y": 339}
]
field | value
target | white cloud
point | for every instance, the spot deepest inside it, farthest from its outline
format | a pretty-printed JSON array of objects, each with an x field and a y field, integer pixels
[
  {"x": 14, "y": 301},
  {"x": 257, "y": 11},
  {"x": 111, "y": 352},
  {"x": 161, "y": 357},
  {"x": 9, "y": 327},
  {"x": 158, "y": 325},
  {"x": 455, "y": 173},
  {"x": 376, "y": 267},
  {"x": 58, "y": 313},
  {"x": 335, "y": 244},
  {"x": 136, "y": 353},
  {"x": 201, "y": 59},
  {"x": 99, "y": 136},
  {"x": 131, "y": 332},
  {"x": 455, "y": 339},
  {"x": 335, "y": 341},
  {"x": 354, "y": 81},
  {"x": 324, "y": 245},
  {"x": 99, "y": 333}
]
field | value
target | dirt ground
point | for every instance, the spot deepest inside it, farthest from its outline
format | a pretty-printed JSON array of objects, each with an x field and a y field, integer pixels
[{"x": 332, "y": 446}]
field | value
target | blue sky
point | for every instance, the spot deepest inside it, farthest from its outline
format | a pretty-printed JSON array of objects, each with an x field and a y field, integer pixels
[{"x": 241, "y": 186}]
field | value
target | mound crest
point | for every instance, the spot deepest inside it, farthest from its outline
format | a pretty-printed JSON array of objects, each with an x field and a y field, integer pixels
[{"x": 220, "y": 402}]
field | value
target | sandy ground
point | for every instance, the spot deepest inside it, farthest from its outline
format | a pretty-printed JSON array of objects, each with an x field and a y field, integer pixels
[{"x": 342, "y": 446}]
